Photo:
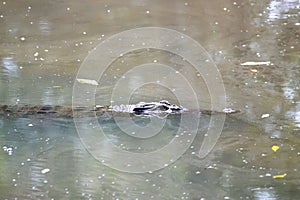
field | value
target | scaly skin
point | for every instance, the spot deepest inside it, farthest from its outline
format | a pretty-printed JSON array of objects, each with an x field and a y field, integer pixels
[{"x": 162, "y": 108}]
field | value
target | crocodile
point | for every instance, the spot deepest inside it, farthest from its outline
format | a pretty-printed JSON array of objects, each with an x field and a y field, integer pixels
[{"x": 146, "y": 109}]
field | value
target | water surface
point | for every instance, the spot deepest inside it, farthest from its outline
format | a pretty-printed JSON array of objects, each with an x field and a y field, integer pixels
[{"x": 43, "y": 45}]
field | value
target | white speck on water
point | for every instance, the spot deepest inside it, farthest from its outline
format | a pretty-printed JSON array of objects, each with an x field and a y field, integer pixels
[
  {"x": 44, "y": 171},
  {"x": 265, "y": 115},
  {"x": 198, "y": 172},
  {"x": 22, "y": 38},
  {"x": 30, "y": 125}
]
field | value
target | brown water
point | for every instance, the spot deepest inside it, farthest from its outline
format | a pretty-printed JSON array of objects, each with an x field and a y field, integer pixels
[{"x": 43, "y": 45}]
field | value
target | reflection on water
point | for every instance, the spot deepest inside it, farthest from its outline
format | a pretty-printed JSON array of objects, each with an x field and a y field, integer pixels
[
  {"x": 49, "y": 161},
  {"x": 283, "y": 10},
  {"x": 264, "y": 193},
  {"x": 44, "y": 43},
  {"x": 11, "y": 69}
]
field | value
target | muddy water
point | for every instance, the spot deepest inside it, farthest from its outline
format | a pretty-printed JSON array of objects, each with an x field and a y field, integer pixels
[{"x": 43, "y": 45}]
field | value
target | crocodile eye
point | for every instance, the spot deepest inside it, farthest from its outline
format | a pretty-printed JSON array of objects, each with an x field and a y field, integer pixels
[
  {"x": 164, "y": 108},
  {"x": 165, "y": 102}
]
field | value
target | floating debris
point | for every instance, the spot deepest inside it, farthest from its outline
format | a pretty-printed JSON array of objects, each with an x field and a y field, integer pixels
[
  {"x": 275, "y": 148},
  {"x": 251, "y": 63},
  {"x": 265, "y": 115},
  {"x": 254, "y": 70},
  {"x": 279, "y": 176},
  {"x": 22, "y": 38},
  {"x": 87, "y": 81},
  {"x": 56, "y": 86},
  {"x": 44, "y": 171},
  {"x": 8, "y": 150},
  {"x": 230, "y": 110}
]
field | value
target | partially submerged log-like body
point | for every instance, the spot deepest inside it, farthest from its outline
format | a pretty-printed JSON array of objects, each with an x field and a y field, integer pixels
[
  {"x": 142, "y": 108},
  {"x": 159, "y": 109}
]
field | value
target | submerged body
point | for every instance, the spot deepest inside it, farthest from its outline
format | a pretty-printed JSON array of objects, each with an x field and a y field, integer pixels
[
  {"x": 159, "y": 109},
  {"x": 142, "y": 108}
]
